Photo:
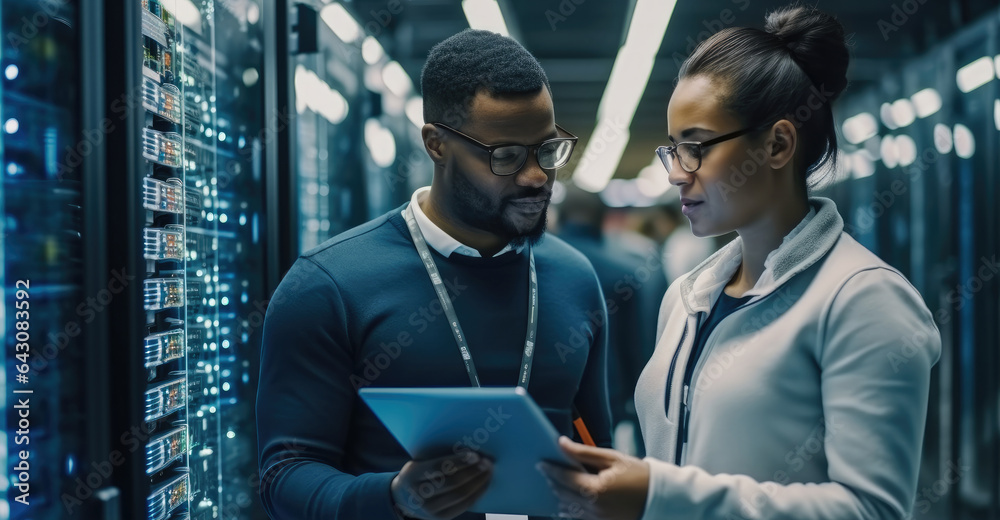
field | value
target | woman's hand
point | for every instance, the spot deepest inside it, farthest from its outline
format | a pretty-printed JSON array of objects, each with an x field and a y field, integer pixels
[{"x": 616, "y": 492}]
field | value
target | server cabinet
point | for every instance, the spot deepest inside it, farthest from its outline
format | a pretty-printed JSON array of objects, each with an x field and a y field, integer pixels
[
  {"x": 188, "y": 171},
  {"x": 55, "y": 287},
  {"x": 938, "y": 121}
]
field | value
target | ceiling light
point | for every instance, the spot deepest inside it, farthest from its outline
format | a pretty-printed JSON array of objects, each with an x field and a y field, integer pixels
[
  {"x": 653, "y": 180},
  {"x": 975, "y": 74},
  {"x": 629, "y": 76},
  {"x": 380, "y": 142},
  {"x": 965, "y": 143},
  {"x": 860, "y": 128},
  {"x": 485, "y": 15},
  {"x": 371, "y": 50},
  {"x": 885, "y": 113},
  {"x": 903, "y": 113},
  {"x": 188, "y": 14},
  {"x": 862, "y": 164},
  {"x": 396, "y": 79},
  {"x": 341, "y": 22},
  {"x": 996, "y": 113},
  {"x": 942, "y": 139},
  {"x": 890, "y": 152},
  {"x": 601, "y": 157},
  {"x": 907, "y": 150},
  {"x": 415, "y": 111},
  {"x": 558, "y": 193},
  {"x": 926, "y": 102},
  {"x": 316, "y": 95}
]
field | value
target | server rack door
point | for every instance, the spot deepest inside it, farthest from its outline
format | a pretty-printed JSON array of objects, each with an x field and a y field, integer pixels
[
  {"x": 948, "y": 170},
  {"x": 199, "y": 180},
  {"x": 973, "y": 298},
  {"x": 240, "y": 294},
  {"x": 45, "y": 311}
]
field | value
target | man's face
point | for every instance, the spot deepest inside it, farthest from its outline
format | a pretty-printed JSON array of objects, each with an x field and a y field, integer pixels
[{"x": 512, "y": 207}]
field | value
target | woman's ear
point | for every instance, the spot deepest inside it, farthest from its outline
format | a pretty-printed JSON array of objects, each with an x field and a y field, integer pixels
[
  {"x": 433, "y": 142},
  {"x": 781, "y": 144}
]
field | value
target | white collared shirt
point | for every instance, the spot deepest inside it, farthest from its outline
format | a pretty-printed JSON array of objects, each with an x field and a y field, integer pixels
[
  {"x": 436, "y": 237},
  {"x": 446, "y": 245}
]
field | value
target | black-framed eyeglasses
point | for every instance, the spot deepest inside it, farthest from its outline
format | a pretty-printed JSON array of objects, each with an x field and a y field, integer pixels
[
  {"x": 509, "y": 158},
  {"x": 689, "y": 153}
]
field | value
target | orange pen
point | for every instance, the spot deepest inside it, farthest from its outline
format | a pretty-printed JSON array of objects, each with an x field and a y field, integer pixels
[{"x": 582, "y": 428}]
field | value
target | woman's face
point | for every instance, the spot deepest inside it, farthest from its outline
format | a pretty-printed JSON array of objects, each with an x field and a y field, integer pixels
[{"x": 733, "y": 187}]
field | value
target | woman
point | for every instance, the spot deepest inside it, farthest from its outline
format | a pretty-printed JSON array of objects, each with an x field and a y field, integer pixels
[{"x": 791, "y": 372}]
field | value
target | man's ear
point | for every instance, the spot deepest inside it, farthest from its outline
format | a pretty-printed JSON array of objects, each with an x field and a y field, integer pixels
[
  {"x": 433, "y": 142},
  {"x": 781, "y": 144}
]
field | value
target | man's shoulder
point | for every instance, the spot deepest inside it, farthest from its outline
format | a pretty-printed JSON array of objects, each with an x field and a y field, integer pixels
[{"x": 568, "y": 258}]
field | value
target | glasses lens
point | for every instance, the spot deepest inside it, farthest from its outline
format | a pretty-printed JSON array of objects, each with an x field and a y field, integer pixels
[
  {"x": 666, "y": 157},
  {"x": 508, "y": 159},
  {"x": 689, "y": 155},
  {"x": 555, "y": 154}
]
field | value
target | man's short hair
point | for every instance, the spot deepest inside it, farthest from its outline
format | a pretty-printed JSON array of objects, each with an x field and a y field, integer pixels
[{"x": 472, "y": 61}]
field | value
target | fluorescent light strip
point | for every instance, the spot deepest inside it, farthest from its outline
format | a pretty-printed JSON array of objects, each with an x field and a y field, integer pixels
[
  {"x": 629, "y": 77},
  {"x": 926, "y": 102},
  {"x": 975, "y": 74},
  {"x": 860, "y": 128},
  {"x": 341, "y": 22},
  {"x": 996, "y": 113},
  {"x": 315, "y": 94},
  {"x": 600, "y": 158},
  {"x": 653, "y": 180},
  {"x": 485, "y": 15},
  {"x": 396, "y": 79},
  {"x": 188, "y": 14},
  {"x": 371, "y": 50},
  {"x": 862, "y": 165},
  {"x": 965, "y": 143},
  {"x": 415, "y": 111},
  {"x": 903, "y": 113}
]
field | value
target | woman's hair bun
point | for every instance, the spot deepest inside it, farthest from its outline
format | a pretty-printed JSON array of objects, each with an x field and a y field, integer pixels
[{"x": 816, "y": 41}]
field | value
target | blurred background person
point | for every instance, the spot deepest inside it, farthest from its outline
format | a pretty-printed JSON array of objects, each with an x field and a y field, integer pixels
[{"x": 633, "y": 285}]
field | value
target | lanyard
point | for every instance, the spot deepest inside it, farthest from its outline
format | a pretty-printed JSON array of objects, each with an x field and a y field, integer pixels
[{"x": 449, "y": 309}]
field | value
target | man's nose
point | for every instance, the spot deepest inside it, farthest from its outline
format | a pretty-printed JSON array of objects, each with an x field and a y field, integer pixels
[{"x": 531, "y": 174}]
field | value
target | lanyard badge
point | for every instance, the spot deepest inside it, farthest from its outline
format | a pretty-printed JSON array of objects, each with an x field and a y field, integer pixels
[{"x": 449, "y": 308}]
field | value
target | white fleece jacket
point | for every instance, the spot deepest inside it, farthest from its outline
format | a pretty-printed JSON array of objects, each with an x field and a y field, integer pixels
[{"x": 807, "y": 403}]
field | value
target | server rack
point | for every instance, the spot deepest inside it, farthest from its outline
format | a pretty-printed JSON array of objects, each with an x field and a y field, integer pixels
[
  {"x": 150, "y": 163},
  {"x": 940, "y": 232},
  {"x": 190, "y": 219},
  {"x": 355, "y": 152},
  {"x": 55, "y": 287}
]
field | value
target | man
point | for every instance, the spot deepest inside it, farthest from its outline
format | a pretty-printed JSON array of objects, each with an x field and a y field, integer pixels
[{"x": 361, "y": 309}]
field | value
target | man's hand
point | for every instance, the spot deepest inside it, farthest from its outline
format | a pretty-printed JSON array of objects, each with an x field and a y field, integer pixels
[{"x": 441, "y": 488}]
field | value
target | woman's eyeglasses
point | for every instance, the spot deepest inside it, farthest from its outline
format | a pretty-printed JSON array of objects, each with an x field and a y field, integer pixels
[
  {"x": 689, "y": 153},
  {"x": 508, "y": 159}
]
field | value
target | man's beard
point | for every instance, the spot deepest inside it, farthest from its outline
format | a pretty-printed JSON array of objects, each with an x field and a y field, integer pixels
[{"x": 479, "y": 211}]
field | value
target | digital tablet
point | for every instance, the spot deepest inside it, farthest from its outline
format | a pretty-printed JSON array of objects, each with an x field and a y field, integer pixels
[{"x": 504, "y": 424}]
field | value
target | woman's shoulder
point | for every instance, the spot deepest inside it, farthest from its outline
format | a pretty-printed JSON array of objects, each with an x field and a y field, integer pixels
[
  {"x": 856, "y": 278},
  {"x": 848, "y": 257}
]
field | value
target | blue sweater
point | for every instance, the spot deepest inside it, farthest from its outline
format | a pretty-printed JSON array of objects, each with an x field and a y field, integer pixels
[{"x": 359, "y": 310}]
